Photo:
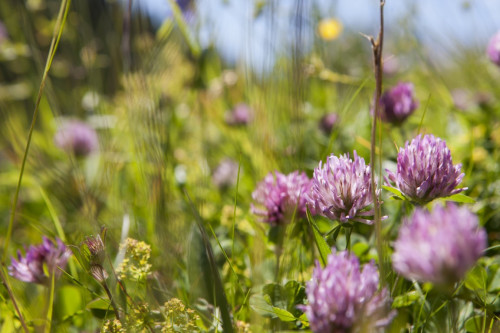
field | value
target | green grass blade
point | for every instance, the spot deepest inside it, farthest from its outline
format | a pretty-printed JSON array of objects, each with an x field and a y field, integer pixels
[
  {"x": 179, "y": 19},
  {"x": 224, "y": 253},
  {"x": 50, "y": 303},
  {"x": 220, "y": 294},
  {"x": 61, "y": 20},
  {"x": 323, "y": 248},
  {"x": 234, "y": 210},
  {"x": 344, "y": 110},
  {"x": 58, "y": 226},
  {"x": 53, "y": 215},
  {"x": 423, "y": 115}
]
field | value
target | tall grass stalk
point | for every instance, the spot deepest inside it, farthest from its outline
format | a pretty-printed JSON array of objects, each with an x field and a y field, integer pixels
[
  {"x": 56, "y": 37},
  {"x": 234, "y": 210}
]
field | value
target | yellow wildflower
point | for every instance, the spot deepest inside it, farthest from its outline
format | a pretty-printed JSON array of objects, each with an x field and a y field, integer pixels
[{"x": 329, "y": 29}]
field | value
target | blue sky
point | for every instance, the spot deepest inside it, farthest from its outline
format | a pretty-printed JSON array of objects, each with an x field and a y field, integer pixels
[{"x": 239, "y": 36}]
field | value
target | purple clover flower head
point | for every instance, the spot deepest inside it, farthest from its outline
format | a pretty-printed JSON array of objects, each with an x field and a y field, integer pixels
[
  {"x": 328, "y": 122},
  {"x": 40, "y": 260},
  {"x": 341, "y": 189},
  {"x": 493, "y": 49},
  {"x": 241, "y": 115},
  {"x": 425, "y": 170},
  {"x": 226, "y": 173},
  {"x": 398, "y": 103},
  {"x": 279, "y": 196},
  {"x": 438, "y": 246},
  {"x": 77, "y": 137},
  {"x": 344, "y": 298}
]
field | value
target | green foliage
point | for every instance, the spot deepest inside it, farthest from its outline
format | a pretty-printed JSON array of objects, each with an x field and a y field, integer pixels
[{"x": 158, "y": 101}]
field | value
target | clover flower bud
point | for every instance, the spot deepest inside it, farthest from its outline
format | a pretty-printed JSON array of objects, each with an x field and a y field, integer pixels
[{"x": 398, "y": 103}]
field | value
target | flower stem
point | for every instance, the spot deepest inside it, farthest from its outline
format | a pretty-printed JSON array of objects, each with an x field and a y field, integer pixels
[
  {"x": 278, "y": 252},
  {"x": 50, "y": 302},
  {"x": 348, "y": 231},
  {"x": 110, "y": 296}
]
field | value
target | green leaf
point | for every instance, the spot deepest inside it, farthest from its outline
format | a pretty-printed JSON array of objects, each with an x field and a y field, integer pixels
[
  {"x": 474, "y": 324},
  {"x": 476, "y": 279},
  {"x": 283, "y": 314},
  {"x": 295, "y": 294},
  {"x": 275, "y": 293},
  {"x": 262, "y": 305},
  {"x": 100, "y": 308},
  {"x": 460, "y": 198},
  {"x": 69, "y": 300},
  {"x": 405, "y": 300},
  {"x": 303, "y": 319},
  {"x": 494, "y": 285},
  {"x": 323, "y": 248},
  {"x": 360, "y": 248},
  {"x": 394, "y": 191},
  {"x": 285, "y": 297}
]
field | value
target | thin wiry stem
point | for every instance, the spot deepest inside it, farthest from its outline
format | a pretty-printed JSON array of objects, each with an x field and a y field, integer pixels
[
  {"x": 377, "y": 47},
  {"x": 110, "y": 297}
]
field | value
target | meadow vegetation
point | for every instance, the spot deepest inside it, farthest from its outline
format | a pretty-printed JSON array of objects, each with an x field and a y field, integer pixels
[{"x": 147, "y": 185}]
